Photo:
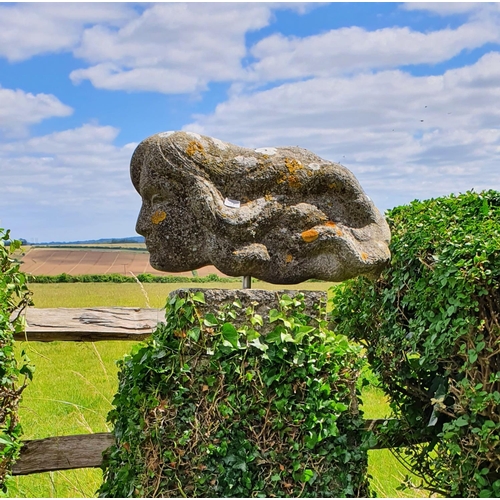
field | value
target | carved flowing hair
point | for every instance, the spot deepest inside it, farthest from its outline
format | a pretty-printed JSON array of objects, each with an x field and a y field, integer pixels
[{"x": 253, "y": 197}]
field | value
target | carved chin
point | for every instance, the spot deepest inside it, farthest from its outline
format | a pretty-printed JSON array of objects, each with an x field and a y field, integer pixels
[
  {"x": 166, "y": 265},
  {"x": 155, "y": 262},
  {"x": 160, "y": 264}
]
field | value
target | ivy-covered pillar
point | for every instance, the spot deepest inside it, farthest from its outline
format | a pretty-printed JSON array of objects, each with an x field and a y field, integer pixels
[{"x": 241, "y": 393}]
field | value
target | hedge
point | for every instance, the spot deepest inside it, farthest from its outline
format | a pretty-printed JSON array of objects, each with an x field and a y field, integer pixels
[
  {"x": 430, "y": 325},
  {"x": 14, "y": 374}
]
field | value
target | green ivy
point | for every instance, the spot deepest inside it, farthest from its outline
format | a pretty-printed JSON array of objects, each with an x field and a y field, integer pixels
[
  {"x": 430, "y": 325},
  {"x": 14, "y": 297},
  {"x": 208, "y": 410}
]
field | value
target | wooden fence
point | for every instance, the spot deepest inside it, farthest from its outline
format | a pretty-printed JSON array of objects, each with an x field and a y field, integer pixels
[{"x": 93, "y": 325}]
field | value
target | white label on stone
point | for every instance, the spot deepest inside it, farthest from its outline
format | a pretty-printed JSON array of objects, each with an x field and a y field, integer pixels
[
  {"x": 232, "y": 203},
  {"x": 166, "y": 134},
  {"x": 266, "y": 151},
  {"x": 314, "y": 166}
]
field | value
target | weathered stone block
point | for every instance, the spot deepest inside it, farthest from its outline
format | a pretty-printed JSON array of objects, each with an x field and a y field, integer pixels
[
  {"x": 259, "y": 301},
  {"x": 283, "y": 215}
]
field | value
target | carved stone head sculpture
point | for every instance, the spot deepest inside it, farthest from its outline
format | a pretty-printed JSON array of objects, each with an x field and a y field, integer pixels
[{"x": 282, "y": 215}]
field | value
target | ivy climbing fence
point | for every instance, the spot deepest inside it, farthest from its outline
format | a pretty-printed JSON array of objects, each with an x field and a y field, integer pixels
[{"x": 104, "y": 324}]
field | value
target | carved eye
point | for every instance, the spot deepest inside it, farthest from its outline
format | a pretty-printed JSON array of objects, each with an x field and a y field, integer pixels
[{"x": 157, "y": 198}]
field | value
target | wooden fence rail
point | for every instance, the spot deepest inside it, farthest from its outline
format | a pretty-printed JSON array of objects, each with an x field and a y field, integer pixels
[
  {"x": 85, "y": 450},
  {"x": 92, "y": 325},
  {"x": 61, "y": 453}
]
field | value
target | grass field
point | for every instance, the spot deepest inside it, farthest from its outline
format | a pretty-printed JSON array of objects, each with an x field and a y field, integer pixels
[{"x": 74, "y": 385}]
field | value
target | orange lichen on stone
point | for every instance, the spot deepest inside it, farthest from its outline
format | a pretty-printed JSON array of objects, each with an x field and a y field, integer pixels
[
  {"x": 310, "y": 235},
  {"x": 289, "y": 258},
  {"x": 339, "y": 232},
  {"x": 194, "y": 147},
  {"x": 364, "y": 255},
  {"x": 332, "y": 185},
  {"x": 330, "y": 224},
  {"x": 292, "y": 165},
  {"x": 158, "y": 216},
  {"x": 294, "y": 181}
]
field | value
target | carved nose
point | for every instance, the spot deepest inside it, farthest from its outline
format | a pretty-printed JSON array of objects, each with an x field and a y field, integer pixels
[{"x": 141, "y": 226}]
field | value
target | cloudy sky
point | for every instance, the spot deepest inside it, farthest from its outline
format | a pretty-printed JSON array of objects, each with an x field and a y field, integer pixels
[{"x": 407, "y": 96}]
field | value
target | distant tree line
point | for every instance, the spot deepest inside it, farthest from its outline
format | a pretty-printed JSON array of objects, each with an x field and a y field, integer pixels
[{"x": 120, "y": 278}]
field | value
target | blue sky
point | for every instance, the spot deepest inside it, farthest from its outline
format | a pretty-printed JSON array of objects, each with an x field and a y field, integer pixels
[{"x": 407, "y": 96}]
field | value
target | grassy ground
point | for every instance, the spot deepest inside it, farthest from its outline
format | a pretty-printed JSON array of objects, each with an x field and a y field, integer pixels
[{"x": 74, "y": 385}]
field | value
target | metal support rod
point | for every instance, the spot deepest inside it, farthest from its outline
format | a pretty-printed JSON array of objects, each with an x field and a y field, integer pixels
[{"x": 247, "y": 282}]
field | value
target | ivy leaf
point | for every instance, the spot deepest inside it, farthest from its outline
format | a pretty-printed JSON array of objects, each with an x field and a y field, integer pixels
[
  {"x": 306, "y": 329},
  {"x": 274, "y": 315},
  {"x": 311, "y": 440},
  {"x": 274, "y": 336},
  {"x": 230, "y": 334},
  {"x": 199, "y": 297},
  {"x": 252, "y": 334},
  {"x": 302, "y": 332},
  {"x": 210, "y": 320},
  {"x": 286, "y": 337},
  {"x": 286, "y": 300},
  {"x": 179, "y": 303},
  {"x": 257, "y": 320},
  {"x": 307, "y": 475},
  {"x": 194, "y": 333},
  {"x": 259, "y": 345}
]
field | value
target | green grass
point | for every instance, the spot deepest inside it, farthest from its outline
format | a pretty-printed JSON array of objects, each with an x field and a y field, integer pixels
[
  {"x": 132, "y": 294},
  {"x": 74, "y": 384},
  {"x": 387, "y": 473}
]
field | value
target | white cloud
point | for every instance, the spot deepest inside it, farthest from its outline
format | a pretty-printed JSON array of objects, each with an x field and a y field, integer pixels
[
  {"x": 403, "y": 136},
  {"x": 87, "y": 139},
  {"x": 344, "y": 50},
  {"x": 19, "y": 110},
  {"x": 29, "y": 29},
  {"x": 73, "y": 184},
  {"x": 445, "y": 8},
  {"x": 164, "y": 80},
  {"x": 171, "y": 47}
]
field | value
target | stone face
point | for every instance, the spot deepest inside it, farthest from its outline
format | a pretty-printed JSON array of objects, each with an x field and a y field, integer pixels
[{"x": 283, "y": 215}]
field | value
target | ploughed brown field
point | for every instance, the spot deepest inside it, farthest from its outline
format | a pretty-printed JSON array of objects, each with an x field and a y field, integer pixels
[{"x": 54, "y": 261}]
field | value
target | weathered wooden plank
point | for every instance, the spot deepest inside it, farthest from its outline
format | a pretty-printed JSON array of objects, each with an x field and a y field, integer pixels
[
  {"x": 62, "y": 452},
  {"x": 90, "y": 324},
  {"x": 85, "y": 450}
]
